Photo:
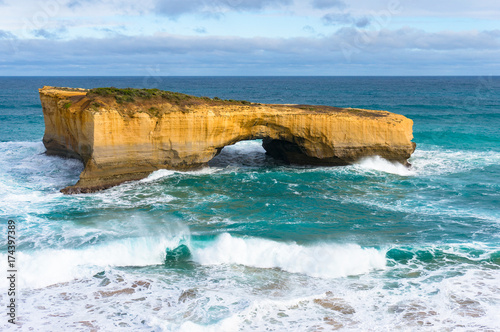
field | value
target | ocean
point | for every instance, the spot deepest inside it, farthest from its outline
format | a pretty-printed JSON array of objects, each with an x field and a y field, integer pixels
[{"x": 251, "y": 244}]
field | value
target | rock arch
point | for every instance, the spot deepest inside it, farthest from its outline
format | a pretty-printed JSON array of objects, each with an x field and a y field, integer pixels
[{"x": 122, "y": 141}]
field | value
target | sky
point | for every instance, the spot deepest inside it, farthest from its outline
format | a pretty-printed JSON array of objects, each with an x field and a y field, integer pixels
[{"x": 249, "y": 37}]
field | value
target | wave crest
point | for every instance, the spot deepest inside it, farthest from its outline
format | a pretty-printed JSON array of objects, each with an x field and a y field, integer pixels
[{"x": 320, "y": 260}]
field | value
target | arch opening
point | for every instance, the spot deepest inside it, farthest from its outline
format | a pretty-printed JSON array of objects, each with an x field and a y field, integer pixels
[
  {"x": 244, "y": 153},
  {"x": 267, "y": 152},
  {"x": 292, "y": 153}
]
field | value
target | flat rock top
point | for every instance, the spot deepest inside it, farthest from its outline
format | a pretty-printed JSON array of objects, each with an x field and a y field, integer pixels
[{"x": 152, "y": 101}]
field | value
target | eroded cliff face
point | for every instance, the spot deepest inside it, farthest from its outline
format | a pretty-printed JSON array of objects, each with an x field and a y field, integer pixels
[{"x": 121, "y": 137}]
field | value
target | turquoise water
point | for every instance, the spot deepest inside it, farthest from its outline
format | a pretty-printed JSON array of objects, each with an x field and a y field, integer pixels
[{"x": 251, "y": 244}]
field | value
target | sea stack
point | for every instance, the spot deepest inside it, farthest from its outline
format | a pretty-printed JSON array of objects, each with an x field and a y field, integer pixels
[{"x": 125, "y": 134}]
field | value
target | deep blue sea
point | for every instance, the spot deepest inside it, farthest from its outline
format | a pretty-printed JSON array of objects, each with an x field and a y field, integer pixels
[{"x": 250, "y": 244}]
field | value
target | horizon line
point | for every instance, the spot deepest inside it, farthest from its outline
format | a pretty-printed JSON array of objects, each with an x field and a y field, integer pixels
[{"x": 133, "y": 76}]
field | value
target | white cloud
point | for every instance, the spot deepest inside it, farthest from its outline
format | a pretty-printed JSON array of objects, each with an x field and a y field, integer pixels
[
  {"x": 315, "y": 34},
  {"x": 413, "y": 48},
  {"x": 377, "y": 41}
]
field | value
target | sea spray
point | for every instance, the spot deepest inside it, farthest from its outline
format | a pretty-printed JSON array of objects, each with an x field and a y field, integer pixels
[
  {"x": 382, "y": 165},
  {"x": 319, "y": 260},
  {"x": 140, "y": 244}
]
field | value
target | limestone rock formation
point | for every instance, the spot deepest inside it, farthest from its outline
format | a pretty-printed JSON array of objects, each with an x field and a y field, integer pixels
[{"x": 125, "y": 134}]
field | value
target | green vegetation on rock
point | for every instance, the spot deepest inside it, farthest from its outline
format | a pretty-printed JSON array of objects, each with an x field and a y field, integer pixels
[{"x": 129, "y": 95}]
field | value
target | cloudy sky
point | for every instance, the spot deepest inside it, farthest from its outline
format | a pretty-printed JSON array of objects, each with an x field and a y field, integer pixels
[{"x": 249, "y": 37}]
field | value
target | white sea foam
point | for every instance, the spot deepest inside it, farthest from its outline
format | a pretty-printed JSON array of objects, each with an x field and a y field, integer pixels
[
  {"x": 226, "y": 298},
  {"x": 160, "y": 174},
  {"x": 432, "y": 161},
  {"x": 414, "y": 298},
  {"x": 321, "y": 260},
  {"x": 377, "y": 163},
  {"x": 202, "y": 171},
  {"x": 29, "y": 179},
  {"x": 45, "y": 267},
  {"x": 25, "y": 170},
  {"x": 50, "y": 266},
  {"x": 462, "y": 303},
  {"x": 411, "y": 203},
  {"x": 164, "y": 173}
]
